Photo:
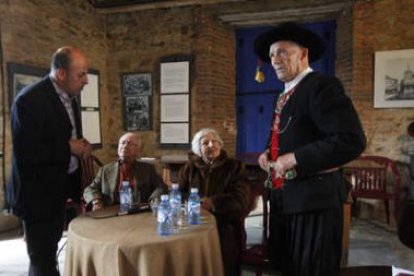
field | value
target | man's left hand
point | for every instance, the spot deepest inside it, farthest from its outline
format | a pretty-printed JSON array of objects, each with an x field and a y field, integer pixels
[{"x": 283, "y": 163}]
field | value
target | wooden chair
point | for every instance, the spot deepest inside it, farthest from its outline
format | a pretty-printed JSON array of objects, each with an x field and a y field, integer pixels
[
  {"x": 256, "y": 255},
  {"x": 89, "y": 168},
  {"x": 369, "y": 177}
]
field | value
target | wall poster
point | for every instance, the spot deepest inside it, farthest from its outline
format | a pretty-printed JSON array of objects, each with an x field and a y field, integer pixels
[{"x": 175, "y": 102}]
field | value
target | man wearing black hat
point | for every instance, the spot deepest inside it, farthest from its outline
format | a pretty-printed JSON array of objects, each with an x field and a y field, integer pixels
[{"x": 315, "y": 130}]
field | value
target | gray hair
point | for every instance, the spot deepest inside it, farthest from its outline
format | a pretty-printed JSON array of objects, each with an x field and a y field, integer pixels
[{"x": 195, "y": 143}]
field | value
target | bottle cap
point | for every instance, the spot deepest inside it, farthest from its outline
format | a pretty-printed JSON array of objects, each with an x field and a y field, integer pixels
[
  {"x": 174, "y": 185},
  {"x": 164, "y": 197},
  {"x": 125, "y": 183},
  {"x": 194, "y": 190}
]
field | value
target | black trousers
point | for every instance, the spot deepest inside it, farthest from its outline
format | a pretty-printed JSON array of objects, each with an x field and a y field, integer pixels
[
  {"x": 74, "y": 191},
  {"x": 42, "y": 237},
  {"x": 42, "y": 240},
  {"x": 305, "y": 244}
]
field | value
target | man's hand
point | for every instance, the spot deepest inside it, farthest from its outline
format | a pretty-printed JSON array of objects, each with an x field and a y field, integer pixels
[
  {"x": 283, "y": 163},
  {"x": 80, "y": 147},
  {"x": 97, "y": 206},
  {"x": 264, "y": 161}
]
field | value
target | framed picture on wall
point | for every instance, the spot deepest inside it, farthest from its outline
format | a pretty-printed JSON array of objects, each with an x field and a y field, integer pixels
[
  {"x": 394, "y": 79},
  {"x": 137, "y": 113},
  {"x": 20, "y": 75},
  {"x": 137, "y": 91},
  {"x": 137, "y": 84}
]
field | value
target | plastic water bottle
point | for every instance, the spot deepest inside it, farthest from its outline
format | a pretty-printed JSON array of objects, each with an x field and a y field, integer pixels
[
  {"x": 124, "y": 197},
  {"x": 194, "y": 207},
  {"x": 175, "y": 202},
  {"x": 164, "y": 220}
]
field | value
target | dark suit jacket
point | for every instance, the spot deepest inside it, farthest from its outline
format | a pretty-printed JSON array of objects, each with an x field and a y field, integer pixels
[
  {"x": 106, "y": 181},
  {"x": 41, "y": 130},
  {"x": 320, "y": 125}
]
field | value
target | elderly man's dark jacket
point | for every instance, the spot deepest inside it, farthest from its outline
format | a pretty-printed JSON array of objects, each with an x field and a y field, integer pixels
[
  {"x": 41, "y": 131},
  {"x": 320, "y": 125}
]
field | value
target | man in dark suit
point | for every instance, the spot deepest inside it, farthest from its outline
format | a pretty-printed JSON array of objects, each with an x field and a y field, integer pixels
[
  {"x": 315, "y": 130},
  {"x": 47, "y": 145}
]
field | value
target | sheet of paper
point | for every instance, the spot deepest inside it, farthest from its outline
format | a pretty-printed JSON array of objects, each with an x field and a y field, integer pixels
[
  {"x": 91, "y": 126},
  {"x": 90, "y": 93},
  {"x": 396, "y": 271},
  {"x": 174, "y": 133},
  {"x": 175, "y": 77},
  {"x": 175, "y": 108}
]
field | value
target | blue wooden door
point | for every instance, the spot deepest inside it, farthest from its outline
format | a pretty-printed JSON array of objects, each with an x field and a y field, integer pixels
[{"x": 255, "y": 100}]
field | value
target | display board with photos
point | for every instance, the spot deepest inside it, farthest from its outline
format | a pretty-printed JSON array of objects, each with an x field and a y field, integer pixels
[{"x": 137, "y": 92}]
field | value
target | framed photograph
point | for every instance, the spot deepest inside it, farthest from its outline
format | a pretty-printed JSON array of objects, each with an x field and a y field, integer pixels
[
  {"x": 137, "y": 84},
  {"x": 20, "y": 75},
  {"x": 394, "y": 79},
  {"x": 137, "y": 113}
]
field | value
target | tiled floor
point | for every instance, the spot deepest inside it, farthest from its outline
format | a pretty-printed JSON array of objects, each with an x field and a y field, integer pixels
[{"x": 371, "y": 243}]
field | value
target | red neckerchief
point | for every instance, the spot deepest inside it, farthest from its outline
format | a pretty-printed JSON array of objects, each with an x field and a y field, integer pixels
[
  {"x": 274, "y": 143},
  {"x": 126, "y": 173}
]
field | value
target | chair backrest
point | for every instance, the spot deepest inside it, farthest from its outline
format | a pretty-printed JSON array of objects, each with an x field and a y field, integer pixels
[
  {"x": 369, "y": 176},
  {"x": 89, "y": 168}
]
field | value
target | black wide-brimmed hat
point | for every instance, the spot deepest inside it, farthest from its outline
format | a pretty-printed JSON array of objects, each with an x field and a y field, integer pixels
[{"x": 289, "y": 31}]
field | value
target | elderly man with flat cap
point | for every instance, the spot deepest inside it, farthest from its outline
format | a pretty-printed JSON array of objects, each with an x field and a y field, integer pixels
[{"x": 315, "y": 130}]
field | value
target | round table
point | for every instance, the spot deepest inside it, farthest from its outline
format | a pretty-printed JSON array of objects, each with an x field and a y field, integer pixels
[{"x": 130, "y": 245}]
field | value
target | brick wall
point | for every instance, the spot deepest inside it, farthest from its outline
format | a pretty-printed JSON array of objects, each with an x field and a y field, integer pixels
[
  {"x": 192, "y": 32},
  {"x": 32, "y": 30},
  {"x": 379, "y": 26},
  {"x": 214, "y": 102},
  {"x": 136, "y": 42}
]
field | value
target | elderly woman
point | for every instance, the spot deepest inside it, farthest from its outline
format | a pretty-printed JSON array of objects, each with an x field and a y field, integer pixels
[{"x": 223, "y": 191}]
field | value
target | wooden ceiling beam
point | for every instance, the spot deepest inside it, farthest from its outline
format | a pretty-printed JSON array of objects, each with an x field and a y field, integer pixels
[
  {"x": 281, "y": 15},
  {"x": 160, "y": 5}
]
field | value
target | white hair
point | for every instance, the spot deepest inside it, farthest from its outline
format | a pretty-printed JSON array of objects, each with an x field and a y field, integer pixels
[{"x": 195, "y": 143}]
